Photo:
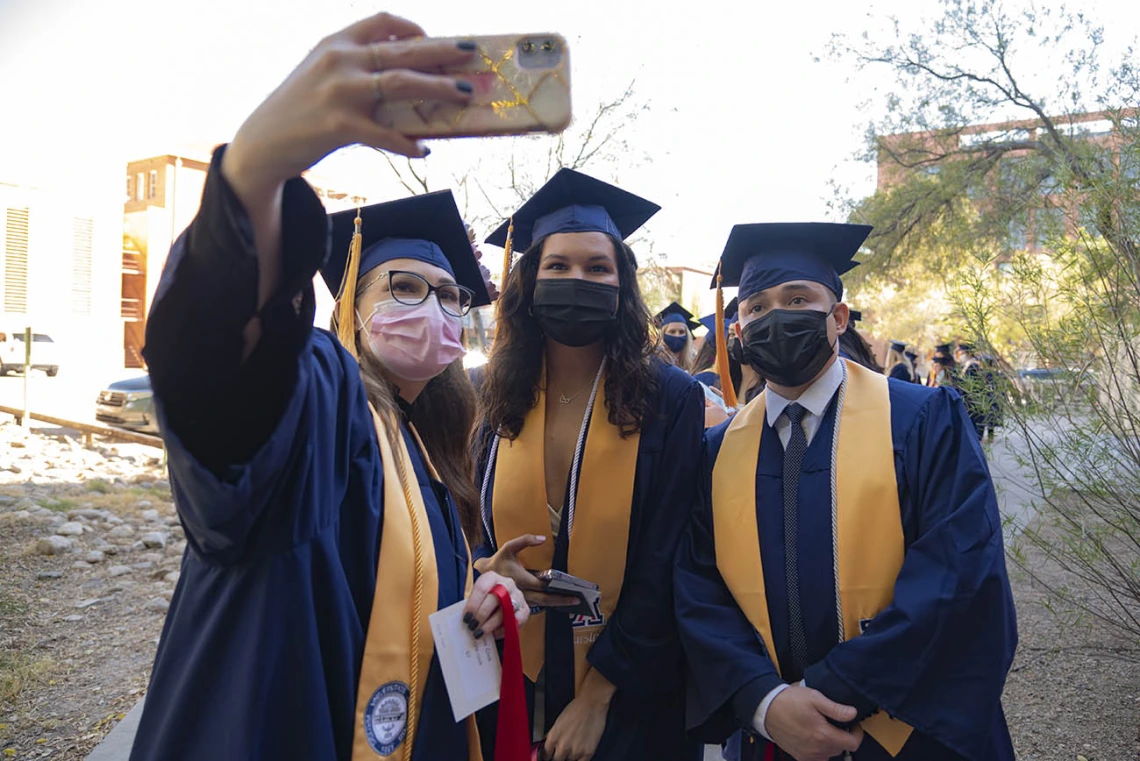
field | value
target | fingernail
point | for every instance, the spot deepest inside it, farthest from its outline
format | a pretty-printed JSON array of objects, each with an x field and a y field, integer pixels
[
  {"x": 427, "y": 152},
  {"x": 466, "y": 45},
  {"x": 468, "y": 618},
  {"x": 478, "y": 634},
  {"x": 472, "y": 624},
  {"x": 541, "y": 538},
  {"x": 465, "y": 87}
]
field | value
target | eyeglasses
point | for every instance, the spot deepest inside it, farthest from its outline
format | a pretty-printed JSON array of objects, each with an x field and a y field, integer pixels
[{"x": 410, "y": 289}]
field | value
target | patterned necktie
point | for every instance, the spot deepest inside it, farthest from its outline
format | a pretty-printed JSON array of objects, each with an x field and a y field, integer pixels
[{"x": 793, "y": 460}]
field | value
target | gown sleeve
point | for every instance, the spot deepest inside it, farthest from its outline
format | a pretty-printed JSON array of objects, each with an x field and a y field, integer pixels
[
  {"x": 638, "y": 648},
  {"x": 728, "y": 669},
  {"x": 937, "y": 657},
  {"x": 231, "y": 427},
  {"x": 221, "y": 407}
]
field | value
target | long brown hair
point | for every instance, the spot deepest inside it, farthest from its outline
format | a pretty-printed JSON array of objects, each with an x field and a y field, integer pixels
[
  {"x": 515, "y": 365},
  {"x": 444, "y": 415}
]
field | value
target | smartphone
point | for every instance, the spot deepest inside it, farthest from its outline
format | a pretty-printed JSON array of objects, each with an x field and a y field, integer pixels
[{"x": 522, "y": 85}]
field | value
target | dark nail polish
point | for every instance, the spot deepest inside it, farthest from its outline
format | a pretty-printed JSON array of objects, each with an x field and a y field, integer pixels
[
  {"x": 478, "y": 634},
  {"x": 468, "y": 618},
  {"x": 466, "y": 87},
  {"x": 466, "y": 46},
  {"x": 472, "y": 624}
]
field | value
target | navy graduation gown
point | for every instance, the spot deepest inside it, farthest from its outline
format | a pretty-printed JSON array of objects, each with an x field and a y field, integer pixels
[
  {"x": 260, "y": 653},
  {"x": 937, "y": 657},
  {"x": 638, "y": 651}
]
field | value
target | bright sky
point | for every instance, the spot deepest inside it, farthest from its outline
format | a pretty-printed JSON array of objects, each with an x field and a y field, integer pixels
[{"x": 744, "y": 125}]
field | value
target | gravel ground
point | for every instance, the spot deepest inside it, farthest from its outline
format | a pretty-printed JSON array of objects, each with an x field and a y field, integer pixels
[{"x": 78, "y": 628}]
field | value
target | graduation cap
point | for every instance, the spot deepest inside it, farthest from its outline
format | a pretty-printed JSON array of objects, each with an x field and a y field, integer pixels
[
  {"x": 677, "y": 313},
  {"x": 572, "y": 202},
  {"x": 856, "y": 316},
  {"x": 966, "y": 347},
  {"x": 730, "y": 310},
  {"x": 899, "y": 346},
  {"x": 911, "y": 355},
  {"x": 760, "y": 256},
  {"x": 942, "y": 348},
  {"x": 945, "y": 361},
  {"x": 427, "y": 228}
]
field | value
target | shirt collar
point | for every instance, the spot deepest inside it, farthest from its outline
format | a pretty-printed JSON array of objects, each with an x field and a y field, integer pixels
[{"x": 814, "y": 400}]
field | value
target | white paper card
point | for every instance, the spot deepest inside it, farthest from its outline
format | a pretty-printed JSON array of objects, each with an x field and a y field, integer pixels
[{"x": 471, "y": 668}]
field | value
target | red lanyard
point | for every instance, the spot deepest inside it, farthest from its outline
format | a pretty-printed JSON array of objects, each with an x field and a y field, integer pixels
[{"x": 512, "y": 736}]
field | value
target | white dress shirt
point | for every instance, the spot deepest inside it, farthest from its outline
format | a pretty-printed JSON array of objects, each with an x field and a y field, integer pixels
[{"x": 814, "y": 401}]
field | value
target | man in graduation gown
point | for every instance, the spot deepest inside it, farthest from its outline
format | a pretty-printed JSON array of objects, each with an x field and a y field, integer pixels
[{"x": 842, "y": 588}]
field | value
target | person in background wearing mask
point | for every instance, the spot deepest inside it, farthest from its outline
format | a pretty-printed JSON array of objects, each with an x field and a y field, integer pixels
[
  {"x": 321, "y": 530},
  {"x": 677, "y": 326},
  {"x": 842, "y": 588},
  {"x": 589, "y": 456},
  {"x": 704, "y": 367},
  {"x": 901, "y": 368},
  {"x": 853, "y": 346}
]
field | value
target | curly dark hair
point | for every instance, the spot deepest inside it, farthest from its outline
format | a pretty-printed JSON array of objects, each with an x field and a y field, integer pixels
[{"x": 514, "y": 368}]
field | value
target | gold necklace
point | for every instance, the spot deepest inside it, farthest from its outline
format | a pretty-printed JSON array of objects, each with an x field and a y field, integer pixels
[{"x": 563, "y": 399}]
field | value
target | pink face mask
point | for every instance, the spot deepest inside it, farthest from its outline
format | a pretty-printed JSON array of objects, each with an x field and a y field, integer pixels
[{"x": 416, "y": 343}]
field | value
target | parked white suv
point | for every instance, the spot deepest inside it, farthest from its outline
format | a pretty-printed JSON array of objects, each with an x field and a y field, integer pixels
[{"x": 12, "y": 353}]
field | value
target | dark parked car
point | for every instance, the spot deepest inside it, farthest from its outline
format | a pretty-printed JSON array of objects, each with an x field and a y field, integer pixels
[{"x": 128, "y": 404}]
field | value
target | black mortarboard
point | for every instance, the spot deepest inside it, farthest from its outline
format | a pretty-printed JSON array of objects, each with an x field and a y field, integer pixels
[
  {"x": 942, "y": 348},
  {"x": 760, "y": 256},
  {"x": 427, "y": 228},
  {"x": 677, "y": 313},
  {"x": 572, "y": 202},
  {"x": 856, "y": 315},
  {"x": 911, "y": 355},
  {"x": 899, "y": 346},
  {"x": 966, "y": 347},
  {"x": 945, "y": 361}
]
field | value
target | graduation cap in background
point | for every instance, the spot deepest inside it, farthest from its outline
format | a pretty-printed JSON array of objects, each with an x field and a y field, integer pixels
[
  {"x": 427, "y": 228},
  {"x": 856, "y": 316},
  {"x": 942, "y": 349},
  {"x": 911, "y": 355},
  {"x": 899, "y": 346},
  {"x": 572, "y": 202},
  {"x": 677, "y": 313},
  {"x": 965, "y": 346},
  {"x": 730, "y": 310}
]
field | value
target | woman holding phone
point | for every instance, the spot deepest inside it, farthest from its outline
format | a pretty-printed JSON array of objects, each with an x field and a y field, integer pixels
[
  {"x": 588, "y": 465},
  {"x": 320, "y": 532}
]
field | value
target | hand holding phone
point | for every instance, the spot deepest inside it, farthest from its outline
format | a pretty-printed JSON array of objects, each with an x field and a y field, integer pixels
[{"x": 520, "y": 83}]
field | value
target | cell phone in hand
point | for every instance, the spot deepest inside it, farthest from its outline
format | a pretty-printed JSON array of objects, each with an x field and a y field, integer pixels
[
  {"x": 522, "y": 85},
  {"x": 586, "y": 594}
]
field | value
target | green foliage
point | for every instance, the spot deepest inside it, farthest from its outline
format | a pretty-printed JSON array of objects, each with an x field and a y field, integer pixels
[{"x": 1025, "y": 238}]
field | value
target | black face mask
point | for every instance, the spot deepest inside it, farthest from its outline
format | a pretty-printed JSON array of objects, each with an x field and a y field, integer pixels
[
  {"x": 735, "y": 351},
  {"x": 788, "y": 346},
  {"x": 675, "y": 343},
  {"x": 575, "y": 312}
]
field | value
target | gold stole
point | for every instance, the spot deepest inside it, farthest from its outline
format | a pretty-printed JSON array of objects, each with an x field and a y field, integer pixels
[
  {"x": 399, "y": 647},
  {"x": 600, "y": 534},
  {"x": 869, "y": 550}
]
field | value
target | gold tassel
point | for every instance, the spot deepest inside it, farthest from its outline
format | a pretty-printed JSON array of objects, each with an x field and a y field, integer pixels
[
  {"x": 507, "y": 253},
  {"x": 726, "y": 388},
  {"x": 346, "y": 298}
]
